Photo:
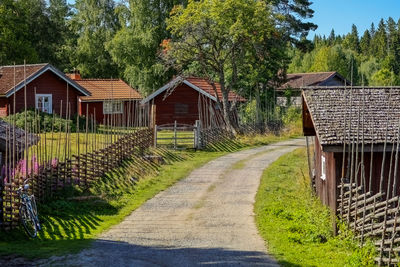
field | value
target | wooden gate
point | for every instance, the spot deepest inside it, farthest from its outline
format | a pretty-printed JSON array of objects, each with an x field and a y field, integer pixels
[{"x": 177, "y": 135}]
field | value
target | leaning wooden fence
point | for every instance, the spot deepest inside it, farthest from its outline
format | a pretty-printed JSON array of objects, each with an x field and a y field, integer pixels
[{"x": 80, "y": 170}]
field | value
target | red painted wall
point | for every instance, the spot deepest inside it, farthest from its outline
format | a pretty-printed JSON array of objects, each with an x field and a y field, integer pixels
[
  {"x": 47, "y": 83},
  {"x": 97, "y": 107},
  {"x": 165, "y": 108},
  {"x": 326, "y": 189}
]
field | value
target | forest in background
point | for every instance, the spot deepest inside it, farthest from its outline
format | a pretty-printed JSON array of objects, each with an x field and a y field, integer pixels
[
  {"x": 113, "y": 38},
  {"x": 370, "y": 59}
]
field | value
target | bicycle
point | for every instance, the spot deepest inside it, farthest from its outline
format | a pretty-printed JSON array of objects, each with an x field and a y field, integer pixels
[{"x": 28, "y": 211}]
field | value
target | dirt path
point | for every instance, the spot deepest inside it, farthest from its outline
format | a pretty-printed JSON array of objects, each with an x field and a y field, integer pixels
[{"x": 207, "y": 218}]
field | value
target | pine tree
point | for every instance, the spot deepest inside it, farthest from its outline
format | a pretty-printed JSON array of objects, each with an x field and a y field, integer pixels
[
  {"x": 379, "y": 41},
  {"x": 351, "y": 41},
  {"x": 365, "y": 43}
]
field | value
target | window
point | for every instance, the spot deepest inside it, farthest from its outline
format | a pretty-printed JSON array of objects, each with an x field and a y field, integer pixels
[
  {"x": 113, "y": 107},
  {"x": 44, "y": 103},
  {"x": 323, "y": 168},
  {"x": 181, "y": 108}
]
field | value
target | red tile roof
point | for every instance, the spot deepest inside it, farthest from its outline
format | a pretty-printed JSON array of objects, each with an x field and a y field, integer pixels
[
  {"x": 28, "y": 73},
  {"x": 7, "y": 75},
  {"x": 102, "y": 89},
  {"x": 207, "y": 87},
  {"x": 298, "y": 80}
]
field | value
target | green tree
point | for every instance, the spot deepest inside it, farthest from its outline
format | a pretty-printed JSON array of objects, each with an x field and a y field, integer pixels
[
  {"x": 60, "y": 35},
  {"x": 379, "y": 41},
  {"x": 224, "y": 38},
  {"x": 96, "y": 23},
  {"x": 351, "y": 40},
  {"x": 136, "y": 47},
  {"x": 383, "y": 77},
  {"x": 15, "y": 44},
  {"x": 365, "y": 43}
]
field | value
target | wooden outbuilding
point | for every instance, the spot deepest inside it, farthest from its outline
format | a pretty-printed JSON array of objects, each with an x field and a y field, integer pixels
[
  {"x": 107, "y": 97},
  {"x": 182, "y": 98},
  {"x": 46, "y": 88},
  {"x": 294, "y": 82},
  {"x": 356, "y": 132}
]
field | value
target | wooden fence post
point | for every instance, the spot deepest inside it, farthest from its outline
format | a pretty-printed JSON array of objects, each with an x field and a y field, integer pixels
[
  {"x": 175, "y": 135},
  {"x": 155, "y": 136},
  {"x": 197, "y": 135}
]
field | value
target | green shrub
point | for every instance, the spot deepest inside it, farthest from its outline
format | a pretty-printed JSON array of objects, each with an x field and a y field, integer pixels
[{"x": 44, "y": 121}]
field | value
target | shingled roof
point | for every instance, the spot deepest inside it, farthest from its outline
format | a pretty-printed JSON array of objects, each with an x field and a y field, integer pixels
[
  {"x": 300, "y": 80},
  {"x": 5, "y": 128},
  {"x": 201, "y": 85},
  {"x": 28, "y": 72},
  {"x": 102, "y": 89},
  {"x": 341, "y": 114}
]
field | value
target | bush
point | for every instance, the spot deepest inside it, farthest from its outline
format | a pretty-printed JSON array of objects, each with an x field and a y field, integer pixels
[{"x": 44, "y": 121}]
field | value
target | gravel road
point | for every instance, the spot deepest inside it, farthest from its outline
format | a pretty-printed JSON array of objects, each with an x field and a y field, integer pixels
[{"x": 205, "y": 219}]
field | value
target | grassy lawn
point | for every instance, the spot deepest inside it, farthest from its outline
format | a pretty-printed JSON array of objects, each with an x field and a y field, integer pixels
[{"x": 294, "y": 223}]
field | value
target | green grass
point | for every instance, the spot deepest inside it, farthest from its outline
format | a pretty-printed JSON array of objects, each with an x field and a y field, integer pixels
[
  {"x": 77, "y": 217},
  {"x": 294, "y": 223}
]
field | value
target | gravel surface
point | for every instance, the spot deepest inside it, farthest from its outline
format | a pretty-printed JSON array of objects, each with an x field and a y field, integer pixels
[{"x": 205, "y": 219}]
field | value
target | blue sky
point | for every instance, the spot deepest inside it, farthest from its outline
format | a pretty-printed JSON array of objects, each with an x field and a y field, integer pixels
[{"x": 341, "y": 14}]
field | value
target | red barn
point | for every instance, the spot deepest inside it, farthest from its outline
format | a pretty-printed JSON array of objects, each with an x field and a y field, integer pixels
[
  {"x": 107, "y": 97},
  {"x": 46, "y": 89},
  {"x": 179, "y": 100}
]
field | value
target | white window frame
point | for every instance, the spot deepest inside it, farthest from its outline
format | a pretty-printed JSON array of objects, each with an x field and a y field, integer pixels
[
  {"x": 323, "y": 168},
  {"x": 113, "y": 110},
  {"x": 50, "y": 96}
]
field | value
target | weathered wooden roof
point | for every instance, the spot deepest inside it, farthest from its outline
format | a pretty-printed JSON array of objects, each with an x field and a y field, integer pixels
[
  {"x": 300, "y": 80},
  {"x": 6, "y": 130},
  {"x": 343, "y": 114}
]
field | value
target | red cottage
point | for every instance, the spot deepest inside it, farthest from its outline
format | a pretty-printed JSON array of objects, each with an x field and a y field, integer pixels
[
  {"x": 179, "y": 99},
  {"x": 107, "y": 96},
  {"x": 46, "y": 89}
]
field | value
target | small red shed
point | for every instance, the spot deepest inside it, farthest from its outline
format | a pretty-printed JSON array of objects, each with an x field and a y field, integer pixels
[
  {"x": 107, "y": 97},
  {"x": 179, "y": 99},
  {"x": 46, "y": 88}
]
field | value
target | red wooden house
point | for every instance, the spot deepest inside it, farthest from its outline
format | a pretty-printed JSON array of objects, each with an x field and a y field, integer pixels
[
  {"x": 46, "y": 88},
  {"x": 354, "y": 130},
  {"x": 179, "y": 100},
  {"x": 107, "y": 97}
]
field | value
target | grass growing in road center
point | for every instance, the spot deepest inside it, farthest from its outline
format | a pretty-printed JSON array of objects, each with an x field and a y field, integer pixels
[{"x": 296, "y": 226}]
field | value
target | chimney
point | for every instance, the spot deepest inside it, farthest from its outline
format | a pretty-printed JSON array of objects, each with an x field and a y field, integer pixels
[{"x": 76, "y": 75}]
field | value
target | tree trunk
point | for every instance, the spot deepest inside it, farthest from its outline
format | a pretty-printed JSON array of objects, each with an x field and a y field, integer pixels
[
  {"x": 225, "y": 104},
  {"x": 259, "y": 115}
]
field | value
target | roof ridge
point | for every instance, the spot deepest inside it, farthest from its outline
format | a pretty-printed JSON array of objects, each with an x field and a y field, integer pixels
[
  {"x": 22, "y": 65},
  {"x": 99, "y": 79},
  {"x": 310, "y": 73}
]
